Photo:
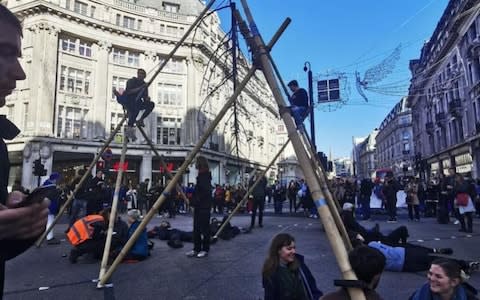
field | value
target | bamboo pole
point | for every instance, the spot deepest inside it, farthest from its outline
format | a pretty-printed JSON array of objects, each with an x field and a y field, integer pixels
[
  {"x": 113, "y": 212},
  {"x": 40, "y": 240},
  {"x": 244, "y": 199},
  {"x": 186, "y": 163},
  {"x": 319, "y": 198},
  {"x": 162, "y": 162}
]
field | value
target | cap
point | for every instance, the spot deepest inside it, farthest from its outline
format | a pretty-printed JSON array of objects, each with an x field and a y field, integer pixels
[
  {"x": 135, "y": 214},
  {"x": 347, "y": 206}
]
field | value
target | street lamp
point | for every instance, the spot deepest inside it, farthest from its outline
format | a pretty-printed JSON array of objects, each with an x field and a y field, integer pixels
[{"x": 308, "y": 67}]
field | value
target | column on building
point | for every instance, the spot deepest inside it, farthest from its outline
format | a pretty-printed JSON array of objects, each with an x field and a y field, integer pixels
[
  {"x": 190, "y": 122},
  {"x": 102, "y": 97},
  {"x": 44, "y": 37},
  {"x": 146, "y": 167}
]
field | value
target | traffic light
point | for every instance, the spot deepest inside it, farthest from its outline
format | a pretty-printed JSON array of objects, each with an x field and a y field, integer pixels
[{"x": 39, "y": 168}]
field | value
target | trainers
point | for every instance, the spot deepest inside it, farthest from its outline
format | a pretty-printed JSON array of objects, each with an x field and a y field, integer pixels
[
  {"x": 392, "y": 221},
  {"x": 140, "y": 123},
  {"x": 202, "y": 254},
  {"x": 456, "y": 222},
  {"x": 53, "y": 241},
  {"x": 191, "y": 253},
  {"x": 473, "y": 266}
]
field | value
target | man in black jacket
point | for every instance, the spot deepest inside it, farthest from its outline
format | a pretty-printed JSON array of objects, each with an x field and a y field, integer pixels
[
  {"x": 258, "y": 193},
  {"x": 19, "y": 226}
]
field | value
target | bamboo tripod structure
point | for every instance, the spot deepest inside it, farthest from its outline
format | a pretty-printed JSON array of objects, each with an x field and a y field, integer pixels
[
  {"x": 185, "y": 165},
  {"x": 318, "y": 195},
  {"x": 40, "y": 240}
]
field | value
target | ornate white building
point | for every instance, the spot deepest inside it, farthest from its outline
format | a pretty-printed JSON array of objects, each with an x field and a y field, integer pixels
[
  {"x": 364, "y": 156},
  {"x": 75, "y": 52},
  {"x": 445, "y": 94}
]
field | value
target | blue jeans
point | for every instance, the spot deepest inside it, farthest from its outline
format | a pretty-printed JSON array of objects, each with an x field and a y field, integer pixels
[{"x": 299, "y": 113}]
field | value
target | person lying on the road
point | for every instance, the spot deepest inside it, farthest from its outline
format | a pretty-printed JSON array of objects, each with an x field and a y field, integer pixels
[
  {"x": 398, "y": 236},
  {"x": 415, "y": 258},
  {"x": 175, "y": 237}
]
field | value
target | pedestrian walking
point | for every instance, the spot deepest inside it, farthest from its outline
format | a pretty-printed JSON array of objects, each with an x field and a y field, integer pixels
[{"x": 258, "y": 201}]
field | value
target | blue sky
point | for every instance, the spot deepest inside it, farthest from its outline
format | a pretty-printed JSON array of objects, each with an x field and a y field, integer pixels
[{"x": 345, "y": 36}]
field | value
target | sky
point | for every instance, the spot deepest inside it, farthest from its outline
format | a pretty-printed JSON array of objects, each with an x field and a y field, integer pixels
[{"x": 342, "y": 37}]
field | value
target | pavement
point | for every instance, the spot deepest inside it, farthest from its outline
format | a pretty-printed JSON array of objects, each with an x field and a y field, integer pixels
[{"x": 231, "y": 271}]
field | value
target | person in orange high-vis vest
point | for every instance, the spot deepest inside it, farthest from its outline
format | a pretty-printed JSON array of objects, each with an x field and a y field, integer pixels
[{"x": 87, "y": 235}]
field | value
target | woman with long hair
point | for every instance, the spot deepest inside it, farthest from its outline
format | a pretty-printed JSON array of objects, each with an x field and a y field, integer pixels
[
  {"x": 202, "y": 204},
  {"x": 445, "y": 282},
  {"x": 285, "y": 275}
]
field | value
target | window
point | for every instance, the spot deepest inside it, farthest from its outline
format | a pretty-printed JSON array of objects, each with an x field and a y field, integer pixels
[
  {"x": 405, "y": 135},
  {"x": 128, "y": 22},
  {"x": 85, "y": 49},
  {"x": 118, "y": 20},
  {"x": 139, "y": 25},
  {"x": 171, "y": 7},
  {"x": 68, "y": 44},
  {"x": 10, "y": 111},
  {"x": 71, "y": 122},
  {"x": 125, "y": 57},
  {"x": 174, "y": 65},
  {"x": 170, "y": 94},
  {"x": 25, "y": 115},
  {"x": 92, "y": 11},
  {"x": 114, "y": 120},
  {"x": 168, "y": 131},
  {"x": 133, "y": 59},
  {"x": 75, "y": 81},
  {"x": 80, "y": 7},
  {"x": 76, "y": 46},
  {"x": 119, "y": 83},
  {"x": 119, "y": 56}
]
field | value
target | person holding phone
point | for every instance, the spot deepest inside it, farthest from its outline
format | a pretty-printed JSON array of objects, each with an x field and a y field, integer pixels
[{"x": 19, "y": 225}]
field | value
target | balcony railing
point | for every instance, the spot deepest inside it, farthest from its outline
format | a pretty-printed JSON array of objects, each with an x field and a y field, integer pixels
[{"x": 454, "y": 107}]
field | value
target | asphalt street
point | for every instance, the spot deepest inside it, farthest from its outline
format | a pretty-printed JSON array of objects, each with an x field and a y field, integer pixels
[{"x": 231, "y": 271}]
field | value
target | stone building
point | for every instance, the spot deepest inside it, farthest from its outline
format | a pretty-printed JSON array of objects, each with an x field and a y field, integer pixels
[
  {"x": 395, "y": 149},
  {"x": 445, "y": 94},
  {"x": 75, "y": 52},
  {"x": 364, "y": 156}
]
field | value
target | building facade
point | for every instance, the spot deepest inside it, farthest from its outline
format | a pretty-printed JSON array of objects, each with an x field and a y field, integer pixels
[
  {"x": 395, "y": 147},
  {"x": 445, "y": 94},
  {"x": 75, "y": 52},
  {"x": 364, "y": 156}
]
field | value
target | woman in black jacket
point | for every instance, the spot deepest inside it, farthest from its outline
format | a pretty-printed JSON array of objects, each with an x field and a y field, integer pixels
[
  {"x": 202, "y": 204},
  {"x": 285, "y": 275}
]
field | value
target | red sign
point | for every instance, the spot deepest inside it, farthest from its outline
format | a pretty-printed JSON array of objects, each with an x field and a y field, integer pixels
[
  {"x": 116, "y": 166},
  {"x": 170, "y": 166}
]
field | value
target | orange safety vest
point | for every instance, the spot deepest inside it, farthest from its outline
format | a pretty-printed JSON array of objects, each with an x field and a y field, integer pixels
[{"x": 82, "y": 229}]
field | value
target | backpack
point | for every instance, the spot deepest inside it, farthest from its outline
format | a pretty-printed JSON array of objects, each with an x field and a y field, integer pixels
[{"x": 122, "y": 99}]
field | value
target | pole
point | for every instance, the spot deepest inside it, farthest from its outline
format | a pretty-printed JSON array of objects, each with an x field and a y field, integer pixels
[
  {"x": 322, "y": 207},
  {"x": 186, "y": 163},
  {"x": 113, "y": 212},
  {"x": 244, "y": 199},
  {"x": 312, "y": 110}
]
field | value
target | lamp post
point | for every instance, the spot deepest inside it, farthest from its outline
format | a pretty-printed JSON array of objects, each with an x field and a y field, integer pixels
[{"x": 308, "y": 68}]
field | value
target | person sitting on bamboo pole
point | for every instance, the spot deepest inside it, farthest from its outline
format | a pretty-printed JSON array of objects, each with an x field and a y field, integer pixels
[
  {"x": 299, "y": 104},
  {"x": 285, "y": 274},
  {"x": 134, "y": 104}
]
